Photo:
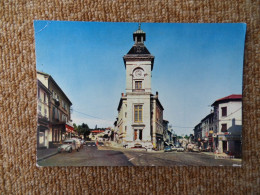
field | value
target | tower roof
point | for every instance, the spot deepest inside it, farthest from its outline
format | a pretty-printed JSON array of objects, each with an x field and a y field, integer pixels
[{"x": 138, "y": 50}]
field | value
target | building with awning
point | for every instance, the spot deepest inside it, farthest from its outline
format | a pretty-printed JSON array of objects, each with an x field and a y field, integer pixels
[{"x": 59, "y": 110}]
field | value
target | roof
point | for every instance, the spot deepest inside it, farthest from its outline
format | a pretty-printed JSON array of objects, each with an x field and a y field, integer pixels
[
  {"x": 155, "y": 97},
  {"x": 40, "y": 84},
  {"x": 53, "y": 81},
  {"x": 97, "y": 131},
  {"x": 208, "y": 116},
  {"x": 138, "y": 49},
  {"x": 120, "y": 103},
  {"x": 233, "y": 97}
]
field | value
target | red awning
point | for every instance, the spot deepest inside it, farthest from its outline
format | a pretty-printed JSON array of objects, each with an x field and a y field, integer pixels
[{"x": 69, "y": 129}]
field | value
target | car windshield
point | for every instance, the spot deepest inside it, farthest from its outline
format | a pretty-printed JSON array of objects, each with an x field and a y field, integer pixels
[{"x": 67, "y": 142}]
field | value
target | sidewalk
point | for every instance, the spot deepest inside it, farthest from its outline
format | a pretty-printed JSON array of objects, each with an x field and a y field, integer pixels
[
  {"x": 222, "y": 156},
  {"x": 46, "y": 153}
]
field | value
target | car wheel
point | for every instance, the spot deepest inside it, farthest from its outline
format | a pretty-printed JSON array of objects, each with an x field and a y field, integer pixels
[
  {"x": 70, "y": 150},
  {"x": 77, "y": 149}
]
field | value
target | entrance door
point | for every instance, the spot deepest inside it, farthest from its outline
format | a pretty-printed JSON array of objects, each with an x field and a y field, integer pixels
[
  {"x": 224, "y": 146},
  {"x": 135, "y": 134},
  {"x": 140, "y": 134}
]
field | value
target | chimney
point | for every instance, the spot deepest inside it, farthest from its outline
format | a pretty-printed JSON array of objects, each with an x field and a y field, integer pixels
[
  {"x": 157, "y": 93},
  {"x": 122, "y": 94}
]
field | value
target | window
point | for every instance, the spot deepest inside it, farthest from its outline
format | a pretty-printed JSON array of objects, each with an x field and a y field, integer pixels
[
  {"x": 125, "y": 128},
  {"x": 39, "y": 94},
  {"x": 53, "y": 112},
  {"x": 39, "y": 109},
  {"x": 224, "y": 111},
  {"x": 138, "y": 84},
  {"x": 223, "y": 127},
  {"x": 45, "y": 97},
  {"x": 45, "y": 112},
  {"x": 138, "y": 113},
  {"x": 125, "y": 114}
]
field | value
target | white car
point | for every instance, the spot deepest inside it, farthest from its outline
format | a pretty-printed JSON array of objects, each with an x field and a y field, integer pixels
[
  {"x": 180, "y": 149},
  {"x": 78, "y": 143},
  {"x": 67, "y": 146}
]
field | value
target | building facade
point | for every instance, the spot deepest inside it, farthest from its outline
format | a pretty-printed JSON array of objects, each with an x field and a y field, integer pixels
[
  {"x": 221, "y": 130},
  {"x": 59, "y": 111},
  {"x": 140, "y": 113},
  {"x": 43, "y": 125},
  {"x": 228, "y": 124},
  {"x": 207, "y": 132}
]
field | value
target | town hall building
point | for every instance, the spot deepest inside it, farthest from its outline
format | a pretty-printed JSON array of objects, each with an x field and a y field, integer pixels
[{"x": 140, "y": 113}]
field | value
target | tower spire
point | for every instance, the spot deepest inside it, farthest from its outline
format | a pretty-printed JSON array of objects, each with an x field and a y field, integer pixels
[{"x": 139, "y": 35}]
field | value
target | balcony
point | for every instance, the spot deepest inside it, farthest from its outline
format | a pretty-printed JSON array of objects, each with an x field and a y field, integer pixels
[{"x": 138, "y": 90}]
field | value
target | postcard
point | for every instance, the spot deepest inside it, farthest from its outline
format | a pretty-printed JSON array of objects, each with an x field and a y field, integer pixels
[{"x": 139, "y": 94}]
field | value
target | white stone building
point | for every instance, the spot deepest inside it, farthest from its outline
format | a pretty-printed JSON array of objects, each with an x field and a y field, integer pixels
[
  {"x": 43, "y": 130},
  {"x": 228, "y": 124},
  {"x": 140, "y": 113}
]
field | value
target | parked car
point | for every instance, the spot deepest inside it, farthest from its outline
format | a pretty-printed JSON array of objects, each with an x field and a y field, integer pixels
[
  {"x": 68, "y": 146},
  {"x": 167, "y": 149},
  {"x": 190, "y": 147},
  {"x": 174, "y": 148},
  {"x": 180, "y": 149},
  {"x": 78, "y": 144},
  {"x": 195, "y": 149}
]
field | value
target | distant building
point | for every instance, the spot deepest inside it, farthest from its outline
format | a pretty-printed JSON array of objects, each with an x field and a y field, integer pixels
[
  {"x": 60, "y": 115},
  {"x": 100, "y": 134},
  {"x": 198, "y": 133},
  {"x": 43, "y": 125},
  {"x": 96, "y": 133},
  {"x": 140, "y": 113},
  {"x": 228, "y": 124},
  {"x": 207, "y": 131}
]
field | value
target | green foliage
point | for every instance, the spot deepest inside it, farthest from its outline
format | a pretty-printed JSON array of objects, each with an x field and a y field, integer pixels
[{"x": 82, "y": 129}]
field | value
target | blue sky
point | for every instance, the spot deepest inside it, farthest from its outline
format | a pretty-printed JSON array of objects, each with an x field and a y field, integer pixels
[{"x": 195, "y": 64}]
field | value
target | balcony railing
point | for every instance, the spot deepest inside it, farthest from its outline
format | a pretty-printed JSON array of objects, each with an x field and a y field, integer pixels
[{"x": 138, "y": 90}]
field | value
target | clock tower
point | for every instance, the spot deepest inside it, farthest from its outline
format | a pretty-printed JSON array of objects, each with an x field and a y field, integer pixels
[
  {"x": 139, "y": 65},
  {"x": 138, "y": 110}
]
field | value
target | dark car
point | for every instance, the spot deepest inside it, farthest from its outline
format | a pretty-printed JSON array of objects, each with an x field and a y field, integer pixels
[{"x": 167, "y": 149}]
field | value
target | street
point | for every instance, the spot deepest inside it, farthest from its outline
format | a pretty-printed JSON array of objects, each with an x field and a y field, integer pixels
[{"x": 93, "y": 155}]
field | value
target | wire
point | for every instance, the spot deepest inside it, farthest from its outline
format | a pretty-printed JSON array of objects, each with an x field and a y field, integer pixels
[
  {"x": 90, "y": 115},
  {"x": 182, "y": 127}
]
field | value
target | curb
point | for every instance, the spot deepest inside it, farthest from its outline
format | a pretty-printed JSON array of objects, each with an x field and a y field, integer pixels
[{"x": 47, "y": 156}]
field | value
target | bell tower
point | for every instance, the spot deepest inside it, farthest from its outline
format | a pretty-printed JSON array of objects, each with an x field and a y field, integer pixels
[{"x": 139, "y": 65}]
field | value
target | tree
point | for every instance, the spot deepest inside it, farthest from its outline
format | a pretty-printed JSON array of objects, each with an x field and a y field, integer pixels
[{"x": 83, "y": 130}]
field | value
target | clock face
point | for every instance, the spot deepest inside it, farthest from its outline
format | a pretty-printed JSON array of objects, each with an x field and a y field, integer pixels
[{"x": 138, "y": 73}]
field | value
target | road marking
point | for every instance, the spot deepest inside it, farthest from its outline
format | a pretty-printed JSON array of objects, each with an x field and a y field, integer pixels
[
  {"x": 141, "y": 155},
  {"x": 89, "y": 145},
  {"x": 93, "y": 145},
  {"x": 236, "y": 165},
  {"x": 131, "y": 159}
]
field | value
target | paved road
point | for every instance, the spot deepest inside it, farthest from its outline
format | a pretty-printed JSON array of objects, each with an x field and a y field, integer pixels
[
  {"x": 177, "y": 158},
  {"x": 91, "y": 155}
]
